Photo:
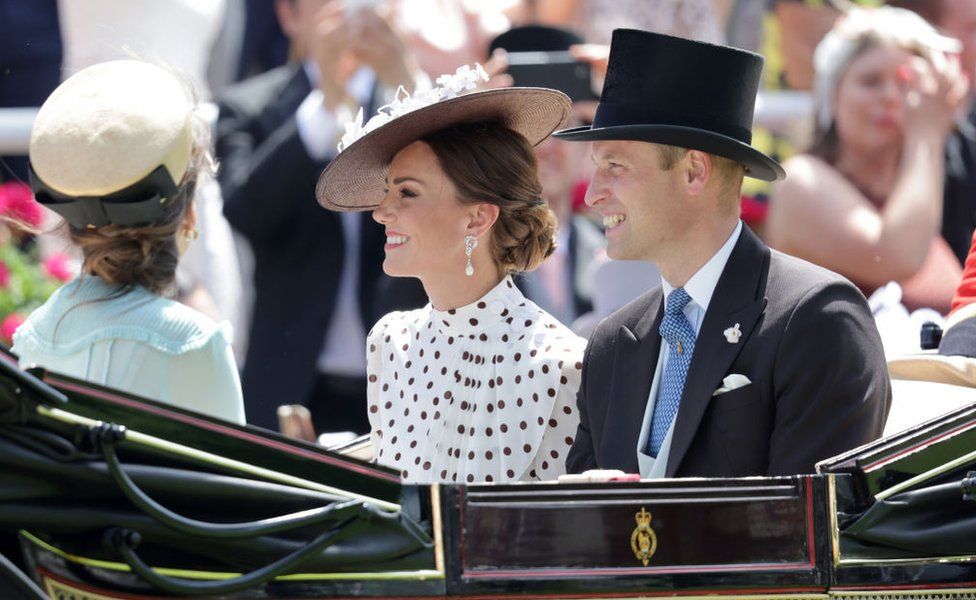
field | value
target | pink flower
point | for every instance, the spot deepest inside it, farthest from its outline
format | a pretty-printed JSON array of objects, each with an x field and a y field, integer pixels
[
  {"x": 4, "y": 274},
  {"x": 9, "y": 325},
  {"x": 57, "y": 266},
  {"x": 17, "y": 202}
]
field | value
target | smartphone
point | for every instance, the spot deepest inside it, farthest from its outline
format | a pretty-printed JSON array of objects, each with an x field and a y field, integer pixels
[{"x": 556, "y": 70}]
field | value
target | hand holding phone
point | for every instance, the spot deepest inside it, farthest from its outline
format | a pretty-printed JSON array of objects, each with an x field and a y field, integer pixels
[{"x": 555, "y": 70}]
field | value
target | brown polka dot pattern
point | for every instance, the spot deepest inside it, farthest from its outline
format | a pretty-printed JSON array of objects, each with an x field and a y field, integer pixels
[{"x": 454, "y": 402}]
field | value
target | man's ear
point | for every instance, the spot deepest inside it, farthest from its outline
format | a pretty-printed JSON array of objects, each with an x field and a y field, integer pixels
[
  {"x": 480, "y": 218},
  {"x": 697, "y": 171}
]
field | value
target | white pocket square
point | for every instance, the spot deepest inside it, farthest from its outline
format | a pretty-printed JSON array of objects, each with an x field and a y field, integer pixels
[{"x": 732, "y": 382}]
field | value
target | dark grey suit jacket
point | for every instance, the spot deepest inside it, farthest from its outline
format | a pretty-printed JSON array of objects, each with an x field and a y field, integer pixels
[{"x": 809, "y": 345}]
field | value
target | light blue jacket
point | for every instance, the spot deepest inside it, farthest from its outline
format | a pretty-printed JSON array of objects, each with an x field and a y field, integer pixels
[{"x": 139, "y": 342}]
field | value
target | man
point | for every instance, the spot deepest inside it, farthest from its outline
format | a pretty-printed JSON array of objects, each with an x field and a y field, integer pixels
[
  {"x": 561, "y": 285},
  {"x": 746, "y": 361},
  {"x": 318, "y": 276}
]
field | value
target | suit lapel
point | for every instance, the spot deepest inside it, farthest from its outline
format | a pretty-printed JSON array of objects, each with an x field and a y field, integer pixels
[
  {"x": 635, "y": 359},
  {"x": 739, "y": 297},
  {"x": 286, "y": 102}
]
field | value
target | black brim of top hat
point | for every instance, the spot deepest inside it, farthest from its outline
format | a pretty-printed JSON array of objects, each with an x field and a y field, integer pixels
[{"x": 757, "y": 164}]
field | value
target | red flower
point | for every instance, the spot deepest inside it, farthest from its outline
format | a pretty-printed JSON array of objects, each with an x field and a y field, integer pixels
[
  {"x": 579, "y": 196},
  {"x": 753, "y": 210},
  {"x": 4, "y": 274},
  {"x": 57, "y": 266},
  {"x": 17, "y": 202},
  {"x": 9, "y": 325}
]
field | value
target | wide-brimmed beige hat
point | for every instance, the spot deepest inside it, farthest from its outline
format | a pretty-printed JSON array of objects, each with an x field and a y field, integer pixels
[
  {"x": 111, "y": 142},
  {"x": 955, "y": 360},
  {"x": 355, "y": 179}
]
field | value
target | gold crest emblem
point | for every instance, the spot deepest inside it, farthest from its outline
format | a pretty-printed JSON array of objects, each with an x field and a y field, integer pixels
[{"x": 643, "y": 541}]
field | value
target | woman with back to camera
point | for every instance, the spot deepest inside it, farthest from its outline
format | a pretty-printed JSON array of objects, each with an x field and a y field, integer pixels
[
  {"x": 479, "y": 385},
  {"x": 118, "y": 151},
  {"x": 866, "y": 199}
]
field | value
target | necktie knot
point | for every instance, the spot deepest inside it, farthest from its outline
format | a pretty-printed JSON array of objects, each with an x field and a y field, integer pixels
[{"x": 678, "y": 299}]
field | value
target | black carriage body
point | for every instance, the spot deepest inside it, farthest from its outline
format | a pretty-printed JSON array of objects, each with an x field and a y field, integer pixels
[{"x": 810, "y": 536}]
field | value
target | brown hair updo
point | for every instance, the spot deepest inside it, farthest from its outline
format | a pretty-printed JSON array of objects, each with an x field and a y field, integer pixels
[
  {"x": 147, "y": 255},
  {"x": 488, "y": 162}
]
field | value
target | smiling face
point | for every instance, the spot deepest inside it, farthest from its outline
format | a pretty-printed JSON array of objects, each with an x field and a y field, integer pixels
[
  {"x": 424, "y": 220},
  {"x": 870, "y": 99},
  {"x": 639, "y": 201}
]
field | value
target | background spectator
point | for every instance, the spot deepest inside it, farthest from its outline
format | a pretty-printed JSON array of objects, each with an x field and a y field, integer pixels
[
  {"x": 561, "y": 285},
  {"x": 265, "y": 46},
  {"x": 866, "y": 199},
  {"x": 957, "y": 19},
  {"x": 180, "y": 33},
  {"x": 703, "y": 20},
  {"x": 318, "y": 281}
]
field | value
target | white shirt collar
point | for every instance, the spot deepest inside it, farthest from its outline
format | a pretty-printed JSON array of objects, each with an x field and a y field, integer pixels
[
  {"x": 359, "y": 86},
  {"x": 702, "y": 284}
]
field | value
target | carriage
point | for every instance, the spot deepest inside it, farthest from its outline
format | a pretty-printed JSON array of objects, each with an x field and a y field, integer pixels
[{"x": 107, "y": 495}]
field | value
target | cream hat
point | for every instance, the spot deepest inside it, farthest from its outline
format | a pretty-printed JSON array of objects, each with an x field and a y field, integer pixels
[
  {"x": 954, "y": 362},
  {"x": 107, "y": 129}
]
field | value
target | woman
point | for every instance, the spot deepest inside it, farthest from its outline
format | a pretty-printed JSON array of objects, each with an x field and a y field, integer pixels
[
  {"x": 117, "y": 151},
  {"x": 866, "y": 199},
  {"x": 480, "y": 384}
]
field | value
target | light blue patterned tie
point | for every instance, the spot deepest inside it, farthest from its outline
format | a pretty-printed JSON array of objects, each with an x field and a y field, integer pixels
[{"x": 676, "y": 329}]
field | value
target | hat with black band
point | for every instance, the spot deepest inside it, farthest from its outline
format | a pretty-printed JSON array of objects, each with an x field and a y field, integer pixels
[
  {"x": 668, "y": 90},
  {"x": 110, "y": 145}
]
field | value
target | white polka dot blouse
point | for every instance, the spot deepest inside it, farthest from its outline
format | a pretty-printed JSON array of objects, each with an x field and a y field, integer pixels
[{"x": 482, "y": 393}]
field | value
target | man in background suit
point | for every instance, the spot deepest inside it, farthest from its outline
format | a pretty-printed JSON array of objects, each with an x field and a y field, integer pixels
[
  {"x": 746, "y": 361},
  {"x": 318, "y": 277}
]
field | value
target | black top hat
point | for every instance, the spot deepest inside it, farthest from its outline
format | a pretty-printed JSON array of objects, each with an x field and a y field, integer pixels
[{"x": 669, "y": 90}]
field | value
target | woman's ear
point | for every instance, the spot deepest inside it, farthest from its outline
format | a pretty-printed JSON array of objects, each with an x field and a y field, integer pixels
[{"x": 480, "y": 218}]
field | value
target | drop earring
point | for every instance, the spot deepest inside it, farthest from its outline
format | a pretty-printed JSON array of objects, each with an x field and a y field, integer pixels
[{"x": 470, "y": 243}]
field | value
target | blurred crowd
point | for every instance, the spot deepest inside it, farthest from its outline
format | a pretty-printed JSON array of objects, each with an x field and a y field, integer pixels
[{"x": 881, "y": 183}]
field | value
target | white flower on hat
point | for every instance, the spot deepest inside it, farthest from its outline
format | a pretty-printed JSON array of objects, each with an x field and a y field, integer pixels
[{"x": 465, "y": 78}]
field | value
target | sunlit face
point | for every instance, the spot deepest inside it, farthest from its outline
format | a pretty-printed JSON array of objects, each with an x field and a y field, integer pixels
[
  {"x": 870, "y": 99},
  {"x": 959, "y": 21},
  {"x": 424, "y": 220},
  {"x": 639, "y": 202}
]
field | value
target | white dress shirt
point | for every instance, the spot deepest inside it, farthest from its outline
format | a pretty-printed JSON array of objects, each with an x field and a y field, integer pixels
[
  {"x": 319, "y": 130},
  {"x": 700, "y": 287}
]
